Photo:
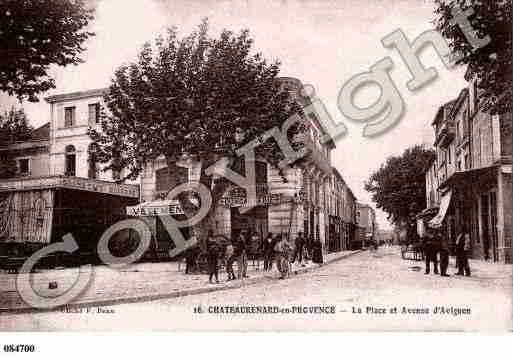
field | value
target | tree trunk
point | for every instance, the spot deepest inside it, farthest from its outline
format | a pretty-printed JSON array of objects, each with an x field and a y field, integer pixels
[{"x": 217, "y": 189}]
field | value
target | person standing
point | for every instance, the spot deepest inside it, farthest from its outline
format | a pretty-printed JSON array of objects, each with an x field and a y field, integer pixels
[
  {"x": 241, "y": 255},
  {"x": 267, "y": 252},
  {"x": 281, "y": 249},
  {"x": 462, "y": 250},
  {"x": 298, "y": 253},
  {"x": 212, "y": 258},
  {"x": 430, "y": 252},
  {"x": 317, "y": 251},
  {"x": 230, "y": 258},
  {"x": 444, "y": 253}
]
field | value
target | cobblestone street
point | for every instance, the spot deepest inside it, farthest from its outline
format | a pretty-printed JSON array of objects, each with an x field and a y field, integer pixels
[{"x": 372, "y": 282}]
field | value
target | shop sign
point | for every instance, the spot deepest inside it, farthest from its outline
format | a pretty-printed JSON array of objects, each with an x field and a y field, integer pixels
[
  {"x": 77, "y": 183},
  {"x": 147, "y": 211},
  {"x": 238, "y": 201}
]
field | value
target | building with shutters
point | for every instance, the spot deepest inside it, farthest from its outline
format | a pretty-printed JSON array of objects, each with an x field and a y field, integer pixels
[
  {"x": 469, "y": 184},
  {"x": 314, "y": 199}
]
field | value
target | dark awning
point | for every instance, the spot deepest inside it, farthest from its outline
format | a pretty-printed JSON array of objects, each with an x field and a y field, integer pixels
[{"x": 473, "y": 176}]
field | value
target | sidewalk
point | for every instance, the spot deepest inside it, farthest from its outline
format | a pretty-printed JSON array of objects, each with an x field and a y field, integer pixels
[{"x": 139, "y": 282}]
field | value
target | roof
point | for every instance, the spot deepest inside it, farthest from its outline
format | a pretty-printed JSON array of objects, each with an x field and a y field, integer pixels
[
  {"x": 337, "y": 173},
  {"x": 445, "y": 107},
  {"x": 77, "y": 95},
  {"x": 41, "y": 133},
  {"x": 458, "y": 102}
]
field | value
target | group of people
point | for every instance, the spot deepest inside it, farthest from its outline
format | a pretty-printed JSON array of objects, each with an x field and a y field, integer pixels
[
  {"x": 274, "y": 248},
  {"x": 436, "y": 243}
]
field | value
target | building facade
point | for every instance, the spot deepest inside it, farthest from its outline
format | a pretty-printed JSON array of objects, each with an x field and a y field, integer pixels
[
  {"x": 471, "y": 179},
  {"x": 366, "y": 218},
  {"x": 59, "y": 187},
  {"x": 314, "y": 199}
]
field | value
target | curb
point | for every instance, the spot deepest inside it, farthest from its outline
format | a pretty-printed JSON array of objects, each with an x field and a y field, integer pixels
[{"x": 169, "y": 295}]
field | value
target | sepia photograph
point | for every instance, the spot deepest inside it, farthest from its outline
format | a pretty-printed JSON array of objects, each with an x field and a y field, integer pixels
[{"x": 255, "y": 166}]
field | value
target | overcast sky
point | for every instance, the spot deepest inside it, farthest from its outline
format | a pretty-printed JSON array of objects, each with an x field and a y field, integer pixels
[{"x": 321, "y": 42}]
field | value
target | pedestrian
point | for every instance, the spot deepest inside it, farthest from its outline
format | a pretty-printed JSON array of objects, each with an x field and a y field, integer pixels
[
  {"x": 241, "y": 255},
  {"x": 281, "y": 250},
  {"x": 268, "y": 251},
  {"x": 430, "y": 252},
  {"x": 308, "y": 246},
  {"x": 462, "y": 250},
  {"x": 230, "y": 258},
  {"x": 317, "y": 251},
  {"x": 444, "y": 253},
  {"x": 191, "y": 254},
  {"x": 298, "y": 253},
  {"x": 212, "y": 257}
]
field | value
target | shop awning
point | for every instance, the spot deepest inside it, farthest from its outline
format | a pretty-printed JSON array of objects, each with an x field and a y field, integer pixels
[
  {"x": 156, "y": 208},
  {"x": 444, "y": 206},
  {"x": 474, "y": 176}
]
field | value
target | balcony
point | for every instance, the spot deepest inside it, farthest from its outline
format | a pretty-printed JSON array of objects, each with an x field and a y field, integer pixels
[{"x": 445, "y": 134}]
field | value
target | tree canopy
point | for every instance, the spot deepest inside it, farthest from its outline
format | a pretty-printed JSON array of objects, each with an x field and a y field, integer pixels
[
  {"x": 14, "y": 127},
  {"x": 35, "y": 34},
  {"x": 399, "y": 186},
  {"x": 493, "y": 63},
  {"x": 197, "y": 95}
]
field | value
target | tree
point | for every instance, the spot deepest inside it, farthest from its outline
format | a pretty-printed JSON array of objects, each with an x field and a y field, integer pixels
[
  {"x": 35, "y": 34},
  {"x": 493, "y": 63},
  {"x": 399, "y": 186},
  {"x": 200, "y": 96},
  {"x": 14, "y": 127}
]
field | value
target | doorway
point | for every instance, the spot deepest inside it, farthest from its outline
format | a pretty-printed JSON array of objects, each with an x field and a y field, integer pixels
[{"x": 254, "y": 220}]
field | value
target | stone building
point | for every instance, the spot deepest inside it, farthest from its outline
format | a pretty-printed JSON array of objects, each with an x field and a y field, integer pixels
[
  {"x": 59, "y": 188},
  {"x": 470, "y": 182},
  {"x": 366, "y": 219},
  {"x": 313, "y": 200}
]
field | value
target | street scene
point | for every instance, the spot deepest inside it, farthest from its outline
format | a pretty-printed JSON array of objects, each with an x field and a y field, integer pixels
[
  {"x": 257, "y": 166},
  {"x": 365, "y": 280}
]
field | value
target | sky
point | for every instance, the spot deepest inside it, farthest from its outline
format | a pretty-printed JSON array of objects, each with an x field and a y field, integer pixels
[{"x": 322, "y": 42}]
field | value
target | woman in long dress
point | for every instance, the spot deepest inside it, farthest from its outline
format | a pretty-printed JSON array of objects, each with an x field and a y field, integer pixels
[{"x": 317, "y": 252}]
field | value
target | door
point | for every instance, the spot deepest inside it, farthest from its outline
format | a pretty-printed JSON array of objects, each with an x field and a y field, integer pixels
[
  {"x": 485, "y": 226},
  {"x": 493, "y": 226}
]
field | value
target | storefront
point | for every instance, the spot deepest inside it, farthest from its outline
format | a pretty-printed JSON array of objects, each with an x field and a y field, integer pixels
[{"x": 40, "y": 211}]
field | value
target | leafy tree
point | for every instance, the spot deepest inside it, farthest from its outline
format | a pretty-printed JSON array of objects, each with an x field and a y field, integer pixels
[
  {"x": 399, "y": 186},
  {"x": 201, "y": 96},
  {"x": 14, "y": 127},
  {"x": 35, "y": 34},
  {"x": 493, "y": 63}
]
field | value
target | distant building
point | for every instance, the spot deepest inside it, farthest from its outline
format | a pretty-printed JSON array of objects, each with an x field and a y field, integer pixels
[{"x": 366, "y": 218}]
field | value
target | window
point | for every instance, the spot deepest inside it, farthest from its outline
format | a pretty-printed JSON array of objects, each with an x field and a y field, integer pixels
[
  {"x": 70, "y": 161},
  {"x": 92, "y": 172},
  {"x": 94, "y": 113},
  {"x": 69, "y": 116},
  {"x": 24, "y": 167}
]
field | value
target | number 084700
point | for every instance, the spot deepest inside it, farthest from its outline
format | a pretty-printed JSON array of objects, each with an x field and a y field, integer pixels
[{"x": 19, "y": 348}]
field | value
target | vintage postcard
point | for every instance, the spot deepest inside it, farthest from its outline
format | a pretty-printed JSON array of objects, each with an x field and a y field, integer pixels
[{"x": 293, "y": 165}]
